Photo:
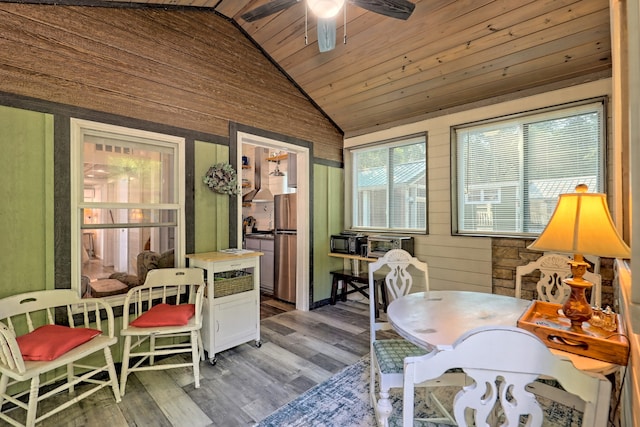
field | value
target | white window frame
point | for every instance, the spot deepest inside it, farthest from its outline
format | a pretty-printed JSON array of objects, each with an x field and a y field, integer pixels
[
  {"x": 351, "y": 192},
  {"x": 549, "y": 113},
  {"x": 79, "y": 128}
]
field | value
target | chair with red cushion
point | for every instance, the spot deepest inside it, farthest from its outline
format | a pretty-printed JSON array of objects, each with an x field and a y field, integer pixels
[
  {"x": 46, "y": 330},
  {"x": 163, "y": 317}
]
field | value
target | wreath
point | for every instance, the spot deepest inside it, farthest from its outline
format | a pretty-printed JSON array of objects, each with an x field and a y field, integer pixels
[{"x": 221, "y": 178}]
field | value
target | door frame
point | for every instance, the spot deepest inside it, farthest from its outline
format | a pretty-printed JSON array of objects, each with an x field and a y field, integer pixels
[{"x": 303, "y": 152}]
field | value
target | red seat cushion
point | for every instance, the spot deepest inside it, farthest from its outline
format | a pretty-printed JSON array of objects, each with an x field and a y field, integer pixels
[
  {"x": 165, "y": 315},
  {"x": 49, "y": 342}
]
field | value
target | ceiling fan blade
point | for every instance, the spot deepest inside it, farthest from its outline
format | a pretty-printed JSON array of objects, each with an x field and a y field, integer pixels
[
  {"x": 326, "y": 34},
  {"x": 399, "y": 9},
  {"x": 267, "y": 9}
]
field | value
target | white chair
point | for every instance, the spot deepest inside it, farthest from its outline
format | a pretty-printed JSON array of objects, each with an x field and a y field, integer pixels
[
  {"x": 46, "y": 330},
  {"x": 157, "y": 310},
  {"x": 553, "y": 268},
  {"x": 501, "y": 361},
  {"x": 387, "y": 355}
]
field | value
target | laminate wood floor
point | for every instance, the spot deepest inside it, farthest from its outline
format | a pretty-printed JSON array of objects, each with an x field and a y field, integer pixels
[{"x": 299, "y": 350}]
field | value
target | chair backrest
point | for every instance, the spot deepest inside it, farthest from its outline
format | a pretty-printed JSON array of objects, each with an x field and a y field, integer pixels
[
  {"x": 553, "y": 268},
  {"x": 398, "y": 281},
  {"x": 502, "y": 361},
  {"x": 168, "y": 286}
]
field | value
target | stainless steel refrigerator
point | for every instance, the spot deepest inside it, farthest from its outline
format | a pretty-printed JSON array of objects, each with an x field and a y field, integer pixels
[{"x": 285, "y": 210}]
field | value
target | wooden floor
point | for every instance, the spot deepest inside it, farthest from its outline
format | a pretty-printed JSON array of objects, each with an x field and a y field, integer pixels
[{"x": 299, "y": 350}]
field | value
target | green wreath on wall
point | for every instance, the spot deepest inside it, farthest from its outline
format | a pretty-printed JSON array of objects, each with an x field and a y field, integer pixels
[{"x": 222, "y": 178}]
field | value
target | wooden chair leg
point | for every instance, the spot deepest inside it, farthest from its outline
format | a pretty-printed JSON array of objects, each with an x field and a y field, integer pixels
[
  {"x": 33, "y": 402},
  {"x": 125, "y": 364},
  {"x": 195, "y": 358},
  {"x": 200, "y": 346},
  {"x": 4, "y": 381},
  {"x": 152, "y": 348},
  {"x": 113, "y": 375},
  {"x": 384, "y": 408},
  {"x": 70, "y": 377},
  {"x": 372, "y": 383}
]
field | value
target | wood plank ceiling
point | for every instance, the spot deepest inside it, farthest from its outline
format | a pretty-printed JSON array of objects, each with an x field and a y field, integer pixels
[{"x": 447, "y": 54}]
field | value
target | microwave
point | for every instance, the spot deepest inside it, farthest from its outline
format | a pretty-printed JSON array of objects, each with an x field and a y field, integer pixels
[
  {"x": 349, "y": 243},
  {"x": 378, "y": 246}
]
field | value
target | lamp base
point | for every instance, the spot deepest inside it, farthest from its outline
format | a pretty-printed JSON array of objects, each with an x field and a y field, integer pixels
[{"x": 576, "y": 308}]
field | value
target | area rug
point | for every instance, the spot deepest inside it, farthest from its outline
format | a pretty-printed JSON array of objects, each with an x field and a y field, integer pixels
[{"x": 343, "y": 401}]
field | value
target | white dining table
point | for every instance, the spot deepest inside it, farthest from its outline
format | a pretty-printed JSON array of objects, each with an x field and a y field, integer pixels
[{"x": 435, "y": 319}]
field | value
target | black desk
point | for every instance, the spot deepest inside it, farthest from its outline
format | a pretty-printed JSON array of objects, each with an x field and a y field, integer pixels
[{"x": 359, "y": 283}]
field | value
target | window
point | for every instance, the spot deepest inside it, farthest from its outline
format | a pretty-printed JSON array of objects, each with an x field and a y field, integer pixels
[
  {"x": 510, "y": 172},
  {"x": 127, "y": 198},
  {"x": 390, "y": 186}
]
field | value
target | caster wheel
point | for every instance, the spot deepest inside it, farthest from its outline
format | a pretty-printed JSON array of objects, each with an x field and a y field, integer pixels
[
  {"x": 213, "y": 360},
  {"x": 258, "y": 343}
]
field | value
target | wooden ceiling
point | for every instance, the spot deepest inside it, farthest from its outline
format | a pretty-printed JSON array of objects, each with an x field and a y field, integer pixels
[{"x": 447, "y": 54}]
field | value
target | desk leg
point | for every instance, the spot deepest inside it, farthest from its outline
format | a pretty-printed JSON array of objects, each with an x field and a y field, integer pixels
[
  {"x": 383, "y": 294},
  {"x": 375, "y": 300},
  {"x": 334, "y": 290}
]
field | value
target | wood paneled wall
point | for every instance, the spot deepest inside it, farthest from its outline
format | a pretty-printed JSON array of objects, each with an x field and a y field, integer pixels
[{"x": 186, "y": 68}]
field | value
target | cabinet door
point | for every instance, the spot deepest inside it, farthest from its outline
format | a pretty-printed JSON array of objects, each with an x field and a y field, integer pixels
[
  {"x": 253, "y": 244},
  {"x": 267, "y": 263},
  {"x": 236, "y": 321}
]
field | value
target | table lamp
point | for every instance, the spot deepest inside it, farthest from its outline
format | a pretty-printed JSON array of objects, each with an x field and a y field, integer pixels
[{"x": 581, "y": 224}]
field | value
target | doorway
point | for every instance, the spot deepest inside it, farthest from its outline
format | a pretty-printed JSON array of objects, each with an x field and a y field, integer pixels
[{"x": 277, "y": 151}]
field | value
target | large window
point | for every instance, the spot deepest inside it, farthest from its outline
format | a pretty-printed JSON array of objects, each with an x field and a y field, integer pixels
[
  {"x": 509, "y": 172},
  {"x": 390, "y": 186},
  {"x": 127, "y": 200}
]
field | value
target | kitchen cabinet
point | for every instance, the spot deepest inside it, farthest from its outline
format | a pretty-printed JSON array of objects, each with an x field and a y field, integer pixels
[
  {"x": 267, "y": 260},
  {"x": 292, "y": 166},
  {"x": 233, "y": 319}
]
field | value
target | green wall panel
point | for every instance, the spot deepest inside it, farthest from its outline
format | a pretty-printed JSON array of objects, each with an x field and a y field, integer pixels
[
  {"x": 328, "y": 219},
  {"x": 26, "y": 215},
  {"x": 211, "y": 209}
]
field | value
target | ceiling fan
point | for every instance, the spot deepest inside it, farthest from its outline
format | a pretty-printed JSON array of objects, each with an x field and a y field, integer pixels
[{"x": 326, "y": 10}]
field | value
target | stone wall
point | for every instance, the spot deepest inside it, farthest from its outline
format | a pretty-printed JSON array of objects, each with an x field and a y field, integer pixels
[{"x": 509, "y": 253}]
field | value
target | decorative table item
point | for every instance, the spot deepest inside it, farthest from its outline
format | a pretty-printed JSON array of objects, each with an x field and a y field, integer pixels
[
  {"x": 581, "y": 224},
  {"x": 222, "y": 178},
  {"x": 545, "y": 320}
]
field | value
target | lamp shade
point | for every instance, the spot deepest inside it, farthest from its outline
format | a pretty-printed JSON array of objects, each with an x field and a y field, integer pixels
[
  {"x": 325, "y": 8},
  {"x": 582, "y": 224}
]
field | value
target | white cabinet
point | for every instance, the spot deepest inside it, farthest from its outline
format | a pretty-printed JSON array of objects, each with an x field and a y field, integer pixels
[
  {"x": 267, "y": 261},
  {"x": 233, "y": 319}
]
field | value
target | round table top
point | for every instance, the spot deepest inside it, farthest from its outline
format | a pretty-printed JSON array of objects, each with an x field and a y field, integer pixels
[{"x": 435, "y": 320}]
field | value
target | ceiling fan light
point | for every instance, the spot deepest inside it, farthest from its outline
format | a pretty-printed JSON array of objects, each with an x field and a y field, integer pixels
[{"x": 325, "y": 8}]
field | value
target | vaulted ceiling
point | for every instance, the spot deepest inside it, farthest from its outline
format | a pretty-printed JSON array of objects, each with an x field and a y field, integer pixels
[{"x": 447, "y": 54}]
